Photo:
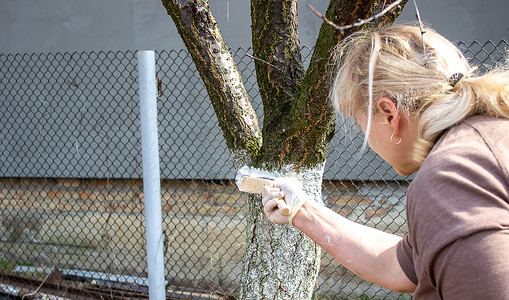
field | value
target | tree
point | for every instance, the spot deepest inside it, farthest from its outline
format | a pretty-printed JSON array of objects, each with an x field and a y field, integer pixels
[{"x": 279, "y": 262}]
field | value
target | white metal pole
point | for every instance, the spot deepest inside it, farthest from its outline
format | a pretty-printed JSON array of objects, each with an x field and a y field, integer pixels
[{"x": 151, "y": 177}]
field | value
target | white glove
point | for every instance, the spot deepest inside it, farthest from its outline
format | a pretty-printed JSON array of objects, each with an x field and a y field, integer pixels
[{"x": 285, "y": 194}]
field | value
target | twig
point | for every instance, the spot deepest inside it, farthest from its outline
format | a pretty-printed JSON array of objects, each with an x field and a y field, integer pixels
[
  {"x": 360, "y": 22},
  {"x": 37, "y": 290},
  {"x": 418, "y": 16},
  {"x": 273, "y": 66},
  {"x": 263, "y": 61},
  {"x": 323, "y": 17}
]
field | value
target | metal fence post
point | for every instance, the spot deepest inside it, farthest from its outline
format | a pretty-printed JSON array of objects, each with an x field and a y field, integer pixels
[{"x": 151, "y": 176}]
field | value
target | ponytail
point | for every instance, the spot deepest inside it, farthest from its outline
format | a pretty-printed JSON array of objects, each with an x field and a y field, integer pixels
[{"x": 486, "y": 95}]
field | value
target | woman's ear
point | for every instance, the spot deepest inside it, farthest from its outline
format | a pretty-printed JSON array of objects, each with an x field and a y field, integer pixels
[{"x": 388, "y": 108}]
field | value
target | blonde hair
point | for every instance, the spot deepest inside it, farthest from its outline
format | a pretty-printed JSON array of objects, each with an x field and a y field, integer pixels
[{"x": 391, "y": 63}]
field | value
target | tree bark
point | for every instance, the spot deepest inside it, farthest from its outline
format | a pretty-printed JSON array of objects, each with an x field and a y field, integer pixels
[
  {"x": 216, "y": 66},
  {"x": 279, "y": 262}
]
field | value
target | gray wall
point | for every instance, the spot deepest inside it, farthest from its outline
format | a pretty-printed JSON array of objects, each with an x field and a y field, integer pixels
[{"x": 73, "y": 25}]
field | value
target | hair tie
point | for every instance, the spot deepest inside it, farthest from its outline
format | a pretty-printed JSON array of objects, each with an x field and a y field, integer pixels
[{"x": 455, "y": 80}]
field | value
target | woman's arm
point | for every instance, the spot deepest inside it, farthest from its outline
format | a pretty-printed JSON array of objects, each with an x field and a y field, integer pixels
[{"x": 368, "y": 252}]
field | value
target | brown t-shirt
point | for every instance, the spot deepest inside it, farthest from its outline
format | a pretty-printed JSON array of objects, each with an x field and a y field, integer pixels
[{"x": 458, "y": 215}]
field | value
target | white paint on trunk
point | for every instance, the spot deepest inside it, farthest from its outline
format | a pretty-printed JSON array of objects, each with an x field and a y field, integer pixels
[{"x": 280, "y": 262}]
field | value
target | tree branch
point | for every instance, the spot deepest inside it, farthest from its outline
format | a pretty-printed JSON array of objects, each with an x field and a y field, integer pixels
[
  {"x": 216, "y": 66},
  {"x": 275, "y": 40},
  {"x": 314, "y": 91},
  {"x": 261, "y": 60},
  {"x": 360, "y": 21}
]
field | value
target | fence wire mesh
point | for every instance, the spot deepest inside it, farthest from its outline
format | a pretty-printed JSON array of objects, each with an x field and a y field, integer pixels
[{"x": 71, "y": 198}]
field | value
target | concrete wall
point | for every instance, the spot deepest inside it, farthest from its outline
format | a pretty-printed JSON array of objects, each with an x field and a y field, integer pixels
[{"x": 63, "y": 25}]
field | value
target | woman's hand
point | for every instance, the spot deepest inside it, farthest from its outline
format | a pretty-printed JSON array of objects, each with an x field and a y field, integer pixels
[{"x": 284, "y": 193}]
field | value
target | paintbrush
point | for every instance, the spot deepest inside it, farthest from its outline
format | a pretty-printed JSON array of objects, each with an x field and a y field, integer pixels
[{"x": 254, "y": 181}]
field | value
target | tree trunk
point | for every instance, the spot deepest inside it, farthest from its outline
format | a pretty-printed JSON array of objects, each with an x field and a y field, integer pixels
[{"x": 280, "y": 262}]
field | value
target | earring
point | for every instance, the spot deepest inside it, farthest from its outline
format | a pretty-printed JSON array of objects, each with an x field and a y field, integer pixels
[{"x": 392, "y": 139}]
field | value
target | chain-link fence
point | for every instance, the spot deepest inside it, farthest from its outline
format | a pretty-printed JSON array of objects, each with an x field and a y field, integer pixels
[{"x": 71, "y": 198}]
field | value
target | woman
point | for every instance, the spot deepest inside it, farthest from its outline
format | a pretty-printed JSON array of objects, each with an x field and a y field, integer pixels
[{"x": 421, "y": 109}]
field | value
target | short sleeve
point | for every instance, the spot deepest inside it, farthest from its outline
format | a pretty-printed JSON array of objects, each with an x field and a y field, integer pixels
[{"x": 404, "y": 254}]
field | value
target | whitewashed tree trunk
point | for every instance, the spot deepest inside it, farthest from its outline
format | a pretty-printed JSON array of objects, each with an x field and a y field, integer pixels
[{"x": 280, "y": 261}]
